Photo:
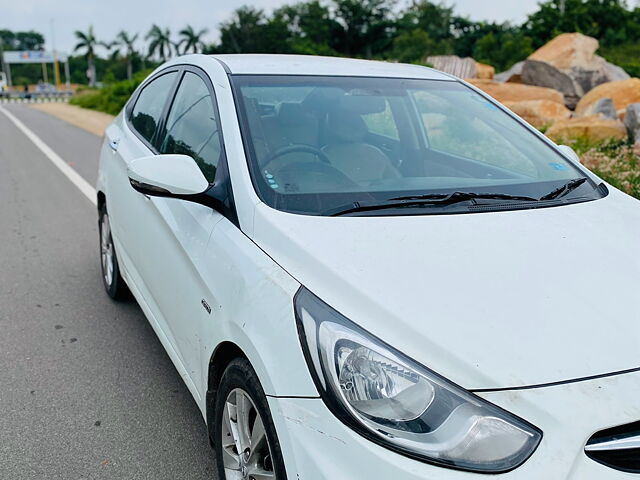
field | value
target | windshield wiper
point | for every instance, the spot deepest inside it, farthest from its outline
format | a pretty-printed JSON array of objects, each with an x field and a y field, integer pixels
[
  {"x": 462, "y": 196},
  {"x": 413, "y": 201},
  {"x": 564, "y": 189}
]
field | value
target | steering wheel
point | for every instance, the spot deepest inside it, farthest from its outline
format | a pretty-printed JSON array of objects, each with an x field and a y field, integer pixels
[{"x": 298, "y": 147}]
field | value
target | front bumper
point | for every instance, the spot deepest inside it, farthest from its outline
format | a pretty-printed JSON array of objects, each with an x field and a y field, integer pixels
[{"x": 317, "y": 446}]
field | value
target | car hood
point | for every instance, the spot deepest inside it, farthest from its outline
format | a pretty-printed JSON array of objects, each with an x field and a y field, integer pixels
[{"x": 489, "y": 300}]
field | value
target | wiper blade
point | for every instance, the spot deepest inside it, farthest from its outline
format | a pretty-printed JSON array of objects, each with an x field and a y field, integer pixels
[
  {"x": 462, "y": 196},
  {"x": 564, "y": 189},
  {"x": 414, "y": 201}
]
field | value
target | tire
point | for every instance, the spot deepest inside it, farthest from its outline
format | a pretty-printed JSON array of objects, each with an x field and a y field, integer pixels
[
  {"x": 113, "y": 282},
  {"x": 240, "y": 391}
]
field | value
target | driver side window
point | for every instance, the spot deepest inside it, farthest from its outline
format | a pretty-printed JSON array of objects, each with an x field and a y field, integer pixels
[{"x": 192, "y": 126}]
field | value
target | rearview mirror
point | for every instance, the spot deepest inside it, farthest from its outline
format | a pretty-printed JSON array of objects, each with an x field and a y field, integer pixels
[
  {"x": 167, "y": 176},
  {"x": 569, "y": 152}
]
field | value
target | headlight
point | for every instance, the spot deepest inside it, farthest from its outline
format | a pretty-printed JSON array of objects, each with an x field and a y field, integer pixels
[{"x": 397, "y": 403}]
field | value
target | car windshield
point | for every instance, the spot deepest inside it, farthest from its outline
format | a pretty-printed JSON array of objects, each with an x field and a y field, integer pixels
[{"x": 317, "y": 144}]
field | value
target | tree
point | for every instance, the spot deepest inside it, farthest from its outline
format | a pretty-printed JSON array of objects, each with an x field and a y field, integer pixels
[
  {"x": 424, "y": 28},
  {"x": 192, "y": 39},
  {"x": 160, "y": 42},
  {"x": 127, "y": 42},
  {"x": 414, "y": 46},
  {"x": 111, "y": 48},
  {"x": 366, "y": 26},
  {"x": 311, "y": 26},
  {"x": 21, "y": 40},
  {"x": 88, "y": 42},
  {"x": 250, "y": 31},
  {"x": 435, "y": 19},
  {"x": 595, "y": 18},
  {"x": 503, "y": 49}
]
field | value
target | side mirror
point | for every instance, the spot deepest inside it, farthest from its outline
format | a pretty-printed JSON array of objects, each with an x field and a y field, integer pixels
[
  {"x": 569, "y": 152},
  {"x": 167, "y": 176}
]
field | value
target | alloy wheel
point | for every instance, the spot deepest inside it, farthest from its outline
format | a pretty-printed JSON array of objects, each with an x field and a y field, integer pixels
[
  {"x": 106, "y": 250},
  {"x": 245, "y": 447}
]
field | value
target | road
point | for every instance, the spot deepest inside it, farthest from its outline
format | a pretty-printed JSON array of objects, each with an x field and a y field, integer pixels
[{"x": 86, "y": 389}]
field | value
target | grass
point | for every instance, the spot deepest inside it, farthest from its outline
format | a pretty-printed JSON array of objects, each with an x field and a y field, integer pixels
[
  {"x": 615, "y": 161},
  {"x": 111, "y": 98}
]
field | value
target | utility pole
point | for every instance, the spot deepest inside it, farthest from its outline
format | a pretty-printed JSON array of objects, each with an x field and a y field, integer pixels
[
  {"x": 56, "y": 65},
  {"x": 2, "y": 56}
]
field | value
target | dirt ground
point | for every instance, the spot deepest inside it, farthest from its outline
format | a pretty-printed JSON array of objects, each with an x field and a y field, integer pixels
[{"x": 89, "y": 120}]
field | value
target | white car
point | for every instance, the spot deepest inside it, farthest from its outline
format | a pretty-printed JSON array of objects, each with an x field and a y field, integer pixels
[{"x": 373, "y": 271}]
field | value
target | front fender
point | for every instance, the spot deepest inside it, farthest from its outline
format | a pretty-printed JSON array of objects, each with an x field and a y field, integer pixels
[{"x": 253, "y": 309}]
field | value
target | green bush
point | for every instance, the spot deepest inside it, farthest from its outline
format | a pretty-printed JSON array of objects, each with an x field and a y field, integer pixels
[
  {"x": 111, "y": 98},
  {"x": 626, "y": 56}
]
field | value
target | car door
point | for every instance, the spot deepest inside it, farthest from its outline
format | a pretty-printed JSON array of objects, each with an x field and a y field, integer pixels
[
  {"x": 175, "y": 231},
  {"x": 130, "y": 137}
]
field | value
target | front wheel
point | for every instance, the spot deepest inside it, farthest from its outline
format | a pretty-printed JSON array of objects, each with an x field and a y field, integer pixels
[
  {"x": 247, "y": 446},
  {"x": 113, "y": 283}
]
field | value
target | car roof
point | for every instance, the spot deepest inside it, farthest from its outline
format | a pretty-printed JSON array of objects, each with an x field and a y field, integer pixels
[{"x": 264, "y": 64}]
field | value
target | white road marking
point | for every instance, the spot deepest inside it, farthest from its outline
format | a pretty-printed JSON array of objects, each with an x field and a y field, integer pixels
[{"x": 84, "y": 186}]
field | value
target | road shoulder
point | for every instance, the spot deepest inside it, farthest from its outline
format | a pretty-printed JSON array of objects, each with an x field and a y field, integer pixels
[{"x": 89, "y": 120}]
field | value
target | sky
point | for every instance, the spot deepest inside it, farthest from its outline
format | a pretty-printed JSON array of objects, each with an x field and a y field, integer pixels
[{"x": 108, "y": 17}]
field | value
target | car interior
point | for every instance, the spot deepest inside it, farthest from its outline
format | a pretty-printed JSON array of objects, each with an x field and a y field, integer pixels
[{"x": 336, "y": 139}]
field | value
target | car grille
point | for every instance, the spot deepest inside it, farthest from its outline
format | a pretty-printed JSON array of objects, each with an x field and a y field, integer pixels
[{"x": 617, "y": 447}]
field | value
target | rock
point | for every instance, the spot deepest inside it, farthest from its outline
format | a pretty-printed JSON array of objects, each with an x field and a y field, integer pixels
[
  {"x": 568, "y": 63},
  {"x": 615, "y": 73},
  {"x": 632, "y": 122},
  {"x": 484, "y": 71},
  {"x": 513, "y": 75},
  {"x": 539, "y": 113},
  {"x": 594, "y": 127},
  {"x": 567, "y": 51},
  {"x": 623, "y": 93},
  {"x": 545, "y": 75},
  {"x": 514, "y": 92},
  {"x": 454, "y": 65},
  {"x": 604, "y": 107}
]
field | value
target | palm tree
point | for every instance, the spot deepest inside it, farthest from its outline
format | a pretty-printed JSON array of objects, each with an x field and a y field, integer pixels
[
  {"x": 111, "y": 48},
  {"x": 126, "y": 41},
  {"x": 88, "y": 42},
  {"x": 192, "y": 39},
  {"x": 160, "y": 42}
]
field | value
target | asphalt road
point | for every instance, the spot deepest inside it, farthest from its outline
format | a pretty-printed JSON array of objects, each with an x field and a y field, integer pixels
[{"x": 86, "y": 389}]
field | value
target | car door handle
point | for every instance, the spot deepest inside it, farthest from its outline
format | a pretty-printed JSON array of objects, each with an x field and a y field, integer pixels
[{"x": 114, "y": 144}]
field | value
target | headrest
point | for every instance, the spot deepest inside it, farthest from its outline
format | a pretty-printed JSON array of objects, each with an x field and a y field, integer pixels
[
  {"x": 291, "y": 114},
  {"x": 347, "y": 126},
  {"x": 362, "y": 104}
]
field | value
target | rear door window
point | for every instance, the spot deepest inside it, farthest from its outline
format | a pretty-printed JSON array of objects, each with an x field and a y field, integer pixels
[{"x": 147, "y": 111}]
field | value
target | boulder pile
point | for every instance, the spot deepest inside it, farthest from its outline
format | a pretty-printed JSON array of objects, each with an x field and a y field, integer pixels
[
  {"x": 514, "y": 92},
  {"x": 563, "y": 87},
  {"x": 622, "y": 93},
  {"x": 539, "y": 113},
  {"x": 569, "y": 64},
  {"x": 584, "y": 95},
  {"x": 594, "y": 127},
  {"x": 632, "y": 122},
  {"x": 465, "y": 67}
]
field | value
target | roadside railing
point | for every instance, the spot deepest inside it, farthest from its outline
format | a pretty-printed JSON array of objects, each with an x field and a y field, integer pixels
[{"x": 34, "y": 97}]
